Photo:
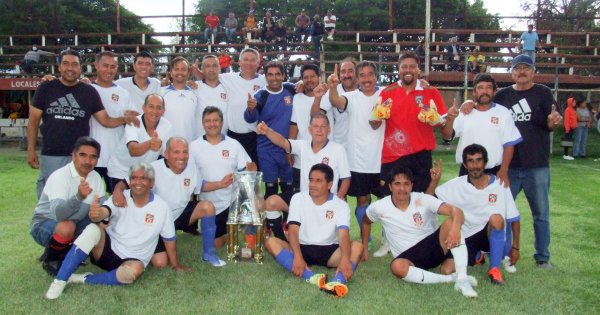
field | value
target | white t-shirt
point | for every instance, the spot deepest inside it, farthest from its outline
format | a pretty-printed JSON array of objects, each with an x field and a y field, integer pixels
[
  {"x": 364, "y": 144},
  {"x": 404, "y": 229},
  {"x": 136, "y": 95},
  {"x": 319, "y": 225},
  {"x": 331, "y": 154},
  {"x": 121, "y": 160},
  {"x": 134, "y": 231},
  {"x": 181, "y": 108},
  {"x": 211, "y": 96},
  {"x": 494, "y": 129},
  {"x": 331, "y": 19},
  {"x": 175, "y": 189},
  {"x": 237, "y": 90},
  {"x": 301, "y": 117},
  {"x": 116, "y": 101},
  {"x": 216, "y": 161},
  {"x": 478, "y": 205}
]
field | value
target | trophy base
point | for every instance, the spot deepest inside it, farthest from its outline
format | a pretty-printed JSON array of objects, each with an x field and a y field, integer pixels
[{"x": 245, "y": 242}]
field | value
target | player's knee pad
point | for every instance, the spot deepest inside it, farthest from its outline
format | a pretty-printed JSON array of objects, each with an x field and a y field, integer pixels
[
  {"x": 126, "y": 274},
  {"x": 270, "y": 189},
  {"x": 88, "y": 238}
]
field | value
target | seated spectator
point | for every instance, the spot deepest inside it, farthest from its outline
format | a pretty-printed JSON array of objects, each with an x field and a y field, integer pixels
[
  {"x": 330, "y": 20},
  {"x": 280, "y": 33},
  {"x": 268, "y": 23},
  {"x": 302, "y": 23},
  {"x": 212, "y": 25},
  {"x": 231, "y": 24},
  {"x": 477, "y": 62},
  {"x": 250, "y": 26}
]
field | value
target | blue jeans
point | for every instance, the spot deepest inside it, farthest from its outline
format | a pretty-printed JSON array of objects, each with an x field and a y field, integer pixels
[
  {"x": 43, "y": 232},
  {"x": 535, "y": 182},
  {"x": 530, "y": 53},
  {"x": 210, "y": 30},
  {"x": 229, "y": 33},
  {"x": 580, "y": 141},
  {"x": 316, "y": 40}
]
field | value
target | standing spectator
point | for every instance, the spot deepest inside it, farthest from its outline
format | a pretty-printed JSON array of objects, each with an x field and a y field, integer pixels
[
  {"x": 570, "y": 123},
  {"x": 453, "y": 54},
  {"x": 280, "y": 33},
  {"x": 528, "y": 42},
  {"x": 31, "y": 58},
  {"x": 224, "y": 61},
  {"x": 584, "y": 121},
  {"x": 420, "y": 51},
  {"x": 268, "y": 23},
  {"x": 317, "y": 29},
  {"x": 250, "y": 25},
  {"x": 212, "y": 25},
  {"x": 330, "y": 20},
  {"x": 302, "y": 23},
  {"x": 231, "y": 24}
]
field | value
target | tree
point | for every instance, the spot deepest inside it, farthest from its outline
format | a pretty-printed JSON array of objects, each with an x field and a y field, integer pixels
[{"x": 564, "y": 15}]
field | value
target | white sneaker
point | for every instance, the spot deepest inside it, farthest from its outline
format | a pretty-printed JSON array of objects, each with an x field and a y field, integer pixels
[
  {"x": 78, "y": 277},
  {"x": 56, "y": 289},
  {"x": 472, "y": 280},
  {"x": 383, "y": 250},
  {"x": 465, "y": 288},
  {"x": 568, "y": 157},
  {"x": 507, "y": 266},
  {"x": 214, "y": 261},
  {"x": 330, "y": 37}
]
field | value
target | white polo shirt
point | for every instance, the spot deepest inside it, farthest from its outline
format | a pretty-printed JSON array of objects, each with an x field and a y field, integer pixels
[
  {"x": 181, "y": 108},
  {"x": 216, "y": 161},
  {"x": 211, "y": 96},
  {"x": 319, "y": 225},
  {"x": 116, "y": 101},
  {"x": 404, "y": 229},
  {"x": 478, "y": 205},
  {"x": 331, "y": 154},
  {"x": 237, "y": 91},
  {"x": 175, "y": 189},
  {"x": 121, "y": 160},
  {"x": 134, "y": 231},
  {"x": 137, "y": 95}
]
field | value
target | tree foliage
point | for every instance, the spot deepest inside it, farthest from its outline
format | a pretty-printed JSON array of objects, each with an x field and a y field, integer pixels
[{"x": 564, "y": 15}]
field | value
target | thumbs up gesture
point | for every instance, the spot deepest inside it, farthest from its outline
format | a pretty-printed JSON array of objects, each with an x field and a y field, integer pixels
[
  {"x": 251, "y": 103},
  {"x": 334, "y": 79},
  {"x": 554, "y": 118},
  {"x": 84, "y": 188},
  {"x": 95, "y": 212},
  {"x": 155, "y": 142},
  {"x": 452, "y": 111}
]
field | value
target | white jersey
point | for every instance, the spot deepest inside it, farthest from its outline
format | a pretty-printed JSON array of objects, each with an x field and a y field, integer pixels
[
  {"x": 364, "y": 144},
  {"x": 115, "y": 100},
  {"x": 331, "y": 154},
  {"x": 339, "y": 121},
  {"x": 134, "y": 231},
  {"x": 136, "y": 95},
  {"x": 211, "y": 96},
  {"x": 175, "y": 189},
  {"x": 181, "y": 108},
  {"x": 301, "y": 118},
  {"x": 404, "y": 229},
  {"x": 121, "y": 160},
  {"x": 478, "y": 205},
  {"x": 319, "y": 225},
  {"x": 237, "y": 90},
  {"x": 216, "y": 161},
  {"x": 494, "y": 129}
]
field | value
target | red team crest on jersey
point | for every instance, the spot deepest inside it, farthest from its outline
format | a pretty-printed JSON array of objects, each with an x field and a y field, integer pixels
[
  {"x": 494, "y": 120},
  {"x": 329, "y": 215},
  {"x": 186, "y": 182},
  {"x": 325, "y": 161},
  {"x": 224, "y": 96},
  {"x": 225, "y": 153},
  {"x": 287, "y": 100},
  {"x": 418, "y": 219},
  {"x": 149, "y": 218},
  {"x": 492, "y": 198},
  {"x": 114, "y": 98}
]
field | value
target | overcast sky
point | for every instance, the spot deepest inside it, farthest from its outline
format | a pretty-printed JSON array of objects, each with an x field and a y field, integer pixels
[{"x": 173, "y": 7}]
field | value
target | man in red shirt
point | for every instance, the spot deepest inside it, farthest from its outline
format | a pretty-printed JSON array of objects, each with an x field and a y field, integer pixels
[{"x": 212, "y": 25}]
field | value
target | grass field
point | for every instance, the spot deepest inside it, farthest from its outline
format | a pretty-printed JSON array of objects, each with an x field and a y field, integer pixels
[{"x": 572, "y": 287}]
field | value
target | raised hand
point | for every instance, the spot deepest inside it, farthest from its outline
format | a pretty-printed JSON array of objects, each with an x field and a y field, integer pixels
[
  {"x": 155, "y": 142},
  {"x": 95, "y": 212},
  {"x": 554, "y": 118},
  {"x": 452, "y": 111},
  {"x": 334, "y": 79},
  {"x": 320, "y": 90},
  {"x": 84, "y": 188},
  {"x": 262, "y": 128},
  {"x": 251, "y": 103},
  {"x": 436, "y": 170}
]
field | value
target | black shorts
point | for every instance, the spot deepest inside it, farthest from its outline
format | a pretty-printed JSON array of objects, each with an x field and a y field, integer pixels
[
  {"x": 109, "y": 260},
  {"x": 183, "y": 221},
  {"x": 295, "y": 179},
  {"x": 427, "y": 253},
  {"x": 221, "y": 223},
  {"x": 328, "y": 29},
  {"x": 363, "y": 184},
  {"x": 318, "y": 254},
  {"x": 419, "y": 163},
  {"x": 477, "y": 242},
  {"x": 248, "y": 141}
]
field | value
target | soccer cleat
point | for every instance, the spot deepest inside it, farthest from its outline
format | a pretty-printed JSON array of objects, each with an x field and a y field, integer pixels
[
  {"x": 507, "y": 266},
  {"x": 544, "y": 265},
  {"x": 568, "y": 157},
  {"x": 212, "y": 258},
  {"x": 495, "y": 276},
  {"x": 480, "y": 259},
  {"x": 465, "y": 287},
  {"x": 78, "y": 277},
  {"x": 335, "y": 288},
  {"x": 317, "y": 279},
  {"x": 383, "y": 250},
  {"x": 472, "y": 280},
  {"x": 51, "y": 267},
  {"x": 56, "y": 289}
]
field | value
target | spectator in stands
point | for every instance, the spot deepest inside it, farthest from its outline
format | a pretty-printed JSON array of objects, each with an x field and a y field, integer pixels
[
  {"x": 529, "y": 42},
  {"x": 302, "y": 23},
  {"x": 330, "y": 20},
  {"x": 268, "y": 23},
  {"x": 31, "y": 58},
  {"x": 477, "y": 62},
  {"x": 453, "y": 52},
  {"x": 570, "y": 123},
  {"x": 231, "y": 24},
  {"x": 212, "y": 25},
  {"x": 250, "y": 25},
  {"x": 224, "y": 61},
  {"x": 317, "y": 29},
  {"x": 420, "y": 51},
  {"x": 280, "y": 33}
]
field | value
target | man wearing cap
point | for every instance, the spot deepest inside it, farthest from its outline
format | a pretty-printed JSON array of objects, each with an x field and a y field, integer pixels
[
  {"x": 528, "y": 42},
  {"x": 534, "y": 112}
]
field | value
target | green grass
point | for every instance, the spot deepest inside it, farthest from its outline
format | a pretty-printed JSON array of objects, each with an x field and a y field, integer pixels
[{"x": 573, "y": 286}]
